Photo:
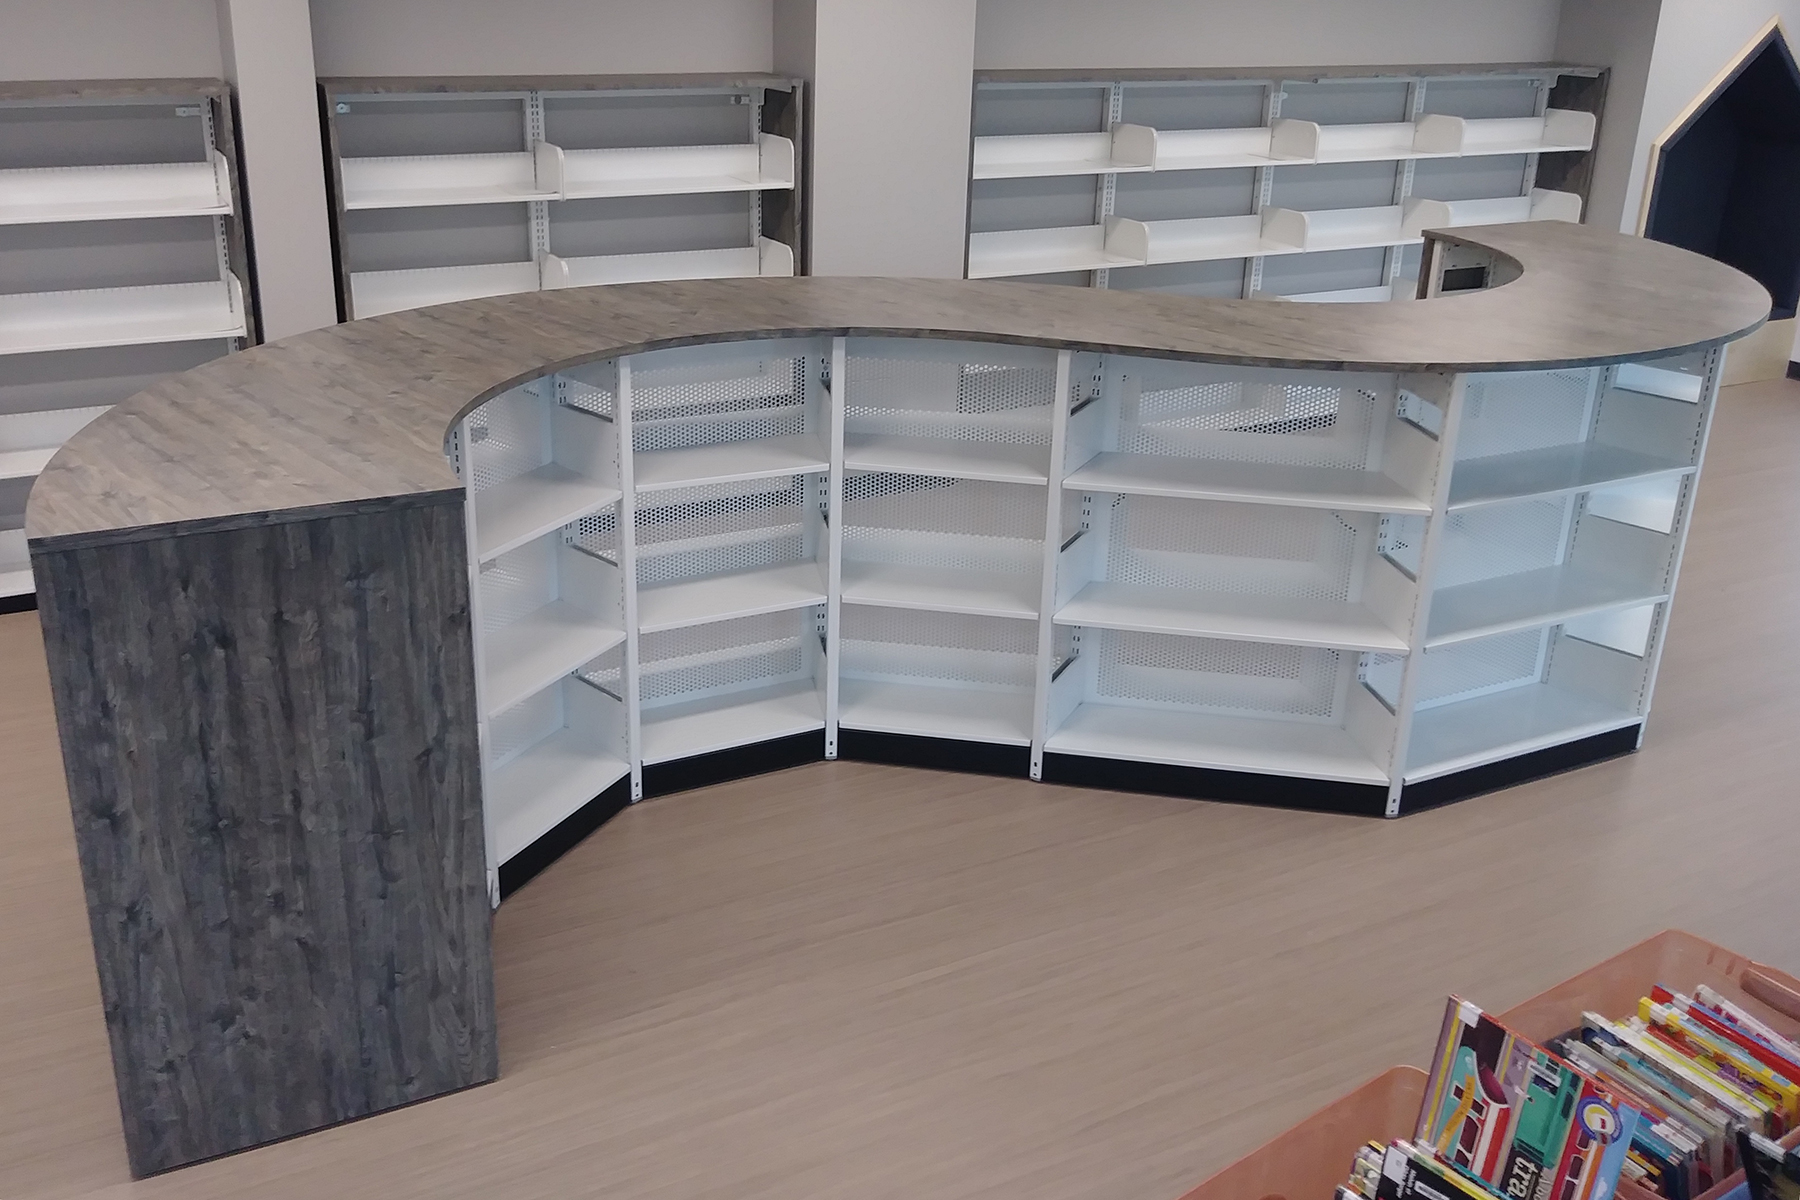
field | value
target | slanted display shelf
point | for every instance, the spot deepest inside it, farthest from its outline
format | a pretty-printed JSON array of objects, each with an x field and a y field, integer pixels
[
  {"x": 1122, "y": 242},
  {"x": 1285, "y": 143}
]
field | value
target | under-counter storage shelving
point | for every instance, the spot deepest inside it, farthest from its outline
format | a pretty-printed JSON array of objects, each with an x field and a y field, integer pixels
[
  {"x": 122, "y": 258},
  {"x": 1274, "y": 585},
  {"x": 456, "y": 189},
  {"x": 1189, "y": 181}
]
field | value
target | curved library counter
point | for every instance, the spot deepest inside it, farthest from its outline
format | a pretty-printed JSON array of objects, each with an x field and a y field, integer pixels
[{"x": 351, "y": 632}]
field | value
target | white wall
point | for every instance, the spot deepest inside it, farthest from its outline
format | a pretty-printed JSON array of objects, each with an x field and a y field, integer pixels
[
  {"x": 1620, "y": 34},
  {"x": 539, "y": 37},
  {"x": 108, "y": 39},
  {"x": 1187, "y": 33},
  {"x": 891, "y": 95}
]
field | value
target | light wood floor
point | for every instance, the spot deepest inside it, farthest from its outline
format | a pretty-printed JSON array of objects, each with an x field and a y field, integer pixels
[{"x": 856, "y": 981}]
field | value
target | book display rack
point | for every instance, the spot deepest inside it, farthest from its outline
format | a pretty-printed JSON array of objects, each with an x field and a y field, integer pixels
[
  {"x": 451, "y": 189},
  {"x": 1310, "y": 1160},
  {"x": 1292, "y": 185},
  {"x": 123, "y": 260}
]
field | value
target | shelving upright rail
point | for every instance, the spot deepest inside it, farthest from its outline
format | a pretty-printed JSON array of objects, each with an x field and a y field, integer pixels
[
  {"x": 1340, "y": 590},
  {"x": 1302, "y": 185},
  {"x": 122, "y": 259},
  {"x": 456, "y": 188}
]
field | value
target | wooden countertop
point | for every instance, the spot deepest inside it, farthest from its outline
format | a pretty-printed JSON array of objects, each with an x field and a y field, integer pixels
[{"x": 355, "y": 415}]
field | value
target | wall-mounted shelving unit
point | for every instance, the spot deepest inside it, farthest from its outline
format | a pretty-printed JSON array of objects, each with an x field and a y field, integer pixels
[
  {"x": 1194, "y": 182},
  {"x": 122, "y": 259},
  {"x": 1329, "y": 588},
  {"x": 453, "y": 189}
]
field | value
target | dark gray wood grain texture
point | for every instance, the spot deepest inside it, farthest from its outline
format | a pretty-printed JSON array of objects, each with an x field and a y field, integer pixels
[
  {"x": 270, "y": 741},
  {"x": 359, "y": 411}
]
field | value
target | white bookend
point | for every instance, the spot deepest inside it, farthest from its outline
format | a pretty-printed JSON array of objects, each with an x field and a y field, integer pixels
[
  {"x": 1548, "y": 205},
  {"x": 1198, "y": 239},
  {"x": 1557, "y": 130},
  {"x": 1565, "y": 129},
  {"x": 1294, "y": 141}
]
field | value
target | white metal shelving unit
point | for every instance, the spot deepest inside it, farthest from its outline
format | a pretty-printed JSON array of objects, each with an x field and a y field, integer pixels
[
  {"x": 1065, "y": 558},
  {"x": 458, "y": 189},
  {"x": 1191, "y": 182},
  {"x": 122, "y": 260}
]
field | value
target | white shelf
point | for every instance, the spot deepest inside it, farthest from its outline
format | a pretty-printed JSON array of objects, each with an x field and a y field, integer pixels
[
  {"x": 536, "y": 791},
  {"x": 1215, "y": 149},
  {"x": 1384, "y": 141},
  {"x": 510, "y": 514},
  {"x": 693, "y": 727},
  {"x": 32, "y": 322},
  {"x": 373, "y": 293},
  {"x": 1036, "y": 155},
  {"x": 1541, "y": 205},
  {"x": 1368, "y": 295},
  {"x": 1557, "y": 130},
  {"x": 743, "y": 594},
  {"x": 766, "y": 258},
  {"x": 538, "y": 649},
  {"x": 767, "y": 163},
  {"x": 1198, "y": 239},
  {"x": 1260, "y": 483},
  {"x": 1262, "y": 745},
  {"x": 1289, "y": 620},
  {"x": 941, "y": 589},
  {"x": 1557, "y": 470},
  {"x": 1336, "y": 229},
  {"x": 1045, "y": 251},
  {"x": 660, "y": 470},
  {"x": 15, "y": 564},
  {"x": 129, "y": 191},
  {"x": 431, "y": 180},
  {"x": 1528, "y": 600},
  {"x": 1659, "y": 381},
  {"x": 922, "y": 710},
  {"x": 947, "y": 457},
  {"x": 1469, "y": 733},
  {"x": 29, "y": 440}
]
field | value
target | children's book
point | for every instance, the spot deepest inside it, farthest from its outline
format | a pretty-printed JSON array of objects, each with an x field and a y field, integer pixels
[{"x": 1519, "y": 1118}]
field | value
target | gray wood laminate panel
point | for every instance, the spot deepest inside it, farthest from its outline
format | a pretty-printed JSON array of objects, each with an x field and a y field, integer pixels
[
  {"x": 359, "y": 411},
  {"x": 270, "y": 743}
]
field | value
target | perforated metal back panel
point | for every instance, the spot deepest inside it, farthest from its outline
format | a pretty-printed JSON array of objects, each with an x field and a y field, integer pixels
[
  {"x": 1252, "y": 416},
  {"x": 598, "y": 533},
  {"x": 682, "y": 399},
  {"x": 947, "y": 390},
  {"x": 1258, "y": 549},
  {"x": 592, "y": 388},
  {"x": 1470, "y": 669},
  {"x": 607, "y": 672},
  {"x": 1233, "y": 678},
  {"x": 525, "y": 724},
  {"x": 681, "y": 664},
  {"x": 507, "y": 437},
  {"x": 516, "y": 583},
  {"x": 693, "y": 533},
  {"x": 1508, "y": 413},
  {"x": 924, "y": 520},
  {"x": 908, "y": 646},
  {"x": 1485, "y": 543}
]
